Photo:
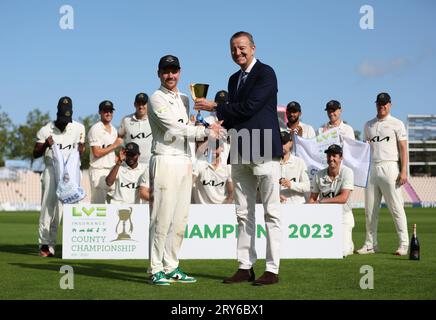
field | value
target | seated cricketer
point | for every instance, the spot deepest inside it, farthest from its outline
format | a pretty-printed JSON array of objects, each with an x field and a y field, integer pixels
[
  {"x": 129, "y": 176},
  {"x": 334, "y": 184}
]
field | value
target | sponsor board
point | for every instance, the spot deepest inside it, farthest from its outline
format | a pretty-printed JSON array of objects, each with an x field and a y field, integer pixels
[{"x": 121, "y": 232}]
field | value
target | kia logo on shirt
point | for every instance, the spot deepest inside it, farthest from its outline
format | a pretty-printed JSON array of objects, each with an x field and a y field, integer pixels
[
  {"x": 140, "y": 135},
  {"x": 68, "y": 146},
  {"x": 212, "y": 183},
  {"x": 378, "y": 139},
  {"x": 328, "y": 195},
  {"x": 130, "y": 185}
]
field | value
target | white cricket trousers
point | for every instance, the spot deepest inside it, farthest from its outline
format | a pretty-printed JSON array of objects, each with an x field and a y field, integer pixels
[
  {"x": 246, "y": 178},
  {"x": 382, "y": 182},
  {"x": 170, "y": 185},
  {"x": 99, "y": 188},
  {"x": 347, "y": 226},
  {"x": 143, "y": 201},
  {"x": 51, "y": 209}
]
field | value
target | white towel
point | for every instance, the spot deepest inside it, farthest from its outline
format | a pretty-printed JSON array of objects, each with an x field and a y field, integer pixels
[
  {"x": 356, "y": 154},
  {"x": 67, "y": 175}
]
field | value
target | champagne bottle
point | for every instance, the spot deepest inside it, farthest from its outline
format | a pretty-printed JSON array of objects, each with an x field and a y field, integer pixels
[{"x": 414, "y": 246}]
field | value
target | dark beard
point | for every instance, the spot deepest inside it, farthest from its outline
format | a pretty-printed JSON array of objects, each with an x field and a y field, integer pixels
[{"x": 291, "y": 122}]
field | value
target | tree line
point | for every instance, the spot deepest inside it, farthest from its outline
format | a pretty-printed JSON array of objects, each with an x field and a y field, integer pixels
[{"x": 17, "y": 141}]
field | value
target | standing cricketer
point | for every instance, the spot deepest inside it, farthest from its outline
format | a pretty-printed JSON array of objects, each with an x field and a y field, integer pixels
[
  {"x": 68, "y": 135},
  {"x": 388, "y": 172},
  {"x": 294, "y": 124},
  {"x": 334, "y": 111},
  {"x": 135, "y": 127},
  {"x": 170, "y": 173},
  {"x": 103, "y": 140}
]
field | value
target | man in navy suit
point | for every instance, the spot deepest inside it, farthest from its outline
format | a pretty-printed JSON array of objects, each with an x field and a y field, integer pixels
[{"x": 250, "y": 115}]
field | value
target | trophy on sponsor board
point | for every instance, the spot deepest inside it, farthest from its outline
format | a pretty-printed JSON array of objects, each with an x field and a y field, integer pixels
[{"x": 125, "y": 217}]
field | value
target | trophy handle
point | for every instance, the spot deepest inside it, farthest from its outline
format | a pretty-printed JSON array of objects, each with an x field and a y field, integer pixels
[
  {"x": 131, "y": 225},
  {"x": 130, "y": 220},
  {"x": 116, "y": 228}
]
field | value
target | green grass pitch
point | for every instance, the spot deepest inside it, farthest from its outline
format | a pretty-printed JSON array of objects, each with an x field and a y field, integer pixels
[{"x": 25, "y": 275}]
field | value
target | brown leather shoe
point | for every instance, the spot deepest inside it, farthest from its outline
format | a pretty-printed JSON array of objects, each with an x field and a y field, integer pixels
[
  {"x": 267, "y": 278},
  {"x": 240, "y": 276}
]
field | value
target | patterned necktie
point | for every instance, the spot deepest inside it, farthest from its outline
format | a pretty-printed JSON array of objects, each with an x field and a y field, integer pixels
[{"x": 242, "y": 80}]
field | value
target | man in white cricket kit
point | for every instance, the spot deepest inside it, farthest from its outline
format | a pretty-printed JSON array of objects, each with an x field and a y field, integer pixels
[
  {"x": 334, "y": 111},
  {"x": 170, "y": 173},
  {"x": 294, "y": 180},
  {"x": 129, "y": 177},
  {"x": 212, "y": 181},
  {"x": 334, "y": 184},
  {"x": 68, "y": 135},
  {"x": 293, "y": 114},
  {"x": 136, "y": 128},
  {"x": 388, "y": 172},
  {"x": 103, "y": 140}
]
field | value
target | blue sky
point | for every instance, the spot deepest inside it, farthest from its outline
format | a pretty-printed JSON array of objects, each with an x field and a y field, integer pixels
[{"x": 317, "y": 49}]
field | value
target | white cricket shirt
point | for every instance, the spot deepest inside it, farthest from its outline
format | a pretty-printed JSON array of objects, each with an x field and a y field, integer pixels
[
  {"x": 345, "y": 130},
  {"x": 210, "y": 185},
  {"x": 308, "y": 131},
  {"x": 384, "y": 136},
  {"x": 137, "y": 131},
  {"x": 73, "y": 134},
  {"x": 328, "y": 188},
  {"x": 295, "y": 170},
  {"x": 170, "y": 124},
  {"x": 127, "y": 183},
  {"x": 99, "y": 136}
]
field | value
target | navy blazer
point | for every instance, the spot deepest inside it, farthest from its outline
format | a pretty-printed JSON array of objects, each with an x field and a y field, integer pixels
[{"x": 254, "y": 106}]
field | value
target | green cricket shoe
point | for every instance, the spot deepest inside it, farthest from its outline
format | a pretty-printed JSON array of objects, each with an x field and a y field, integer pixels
[
  {"x": 177, "y": 275},
  {"x": 160, "y": 279}
]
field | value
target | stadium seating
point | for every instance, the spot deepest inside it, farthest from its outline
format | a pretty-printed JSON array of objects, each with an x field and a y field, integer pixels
[
  {"x": 26, "y": 189},
  {"x": 358, "y": 197},
  {"x": 425, "y": 187}
]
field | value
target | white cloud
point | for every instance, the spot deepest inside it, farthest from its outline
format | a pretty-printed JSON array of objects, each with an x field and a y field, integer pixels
[
  {"x": 372, "y": 69},
  {"x": 380, "y": 68}
]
